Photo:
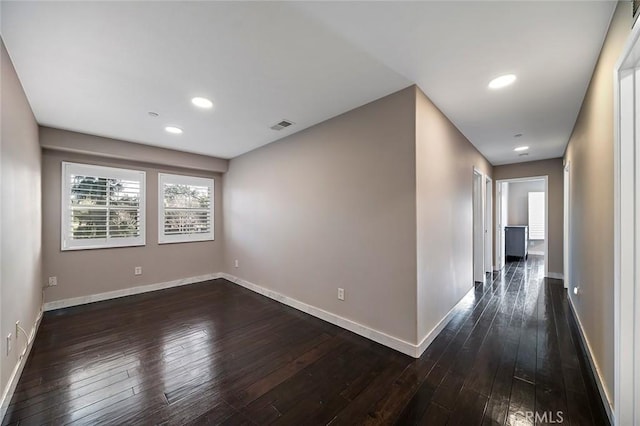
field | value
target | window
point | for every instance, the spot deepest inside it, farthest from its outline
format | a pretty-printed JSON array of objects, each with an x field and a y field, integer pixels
[
  {"x": 536, "y": 215},
  {"x": 186, "y": 209},
  {"x": 101, "y": 207}
]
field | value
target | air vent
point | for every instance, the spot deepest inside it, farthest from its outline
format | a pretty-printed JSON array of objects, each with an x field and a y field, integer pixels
[
  {"x": 524, "y": 154},
  {"x": 281, "y": 125}
]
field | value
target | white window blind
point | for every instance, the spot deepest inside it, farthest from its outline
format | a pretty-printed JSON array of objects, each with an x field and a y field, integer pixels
[
  {"x": 186, "y": 208},
  {"x": 536, "y": 216},
  {"x": 102, "y": 207}
]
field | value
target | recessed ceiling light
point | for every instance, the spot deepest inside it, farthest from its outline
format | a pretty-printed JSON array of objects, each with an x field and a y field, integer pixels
[
  {"x": 173, "y": 129},
  {"x": 521, "y": 148},
  {"x": 202, "y": 102},
  {"x": 153, "y": 114},
  {"x": 502, "y": 81}
]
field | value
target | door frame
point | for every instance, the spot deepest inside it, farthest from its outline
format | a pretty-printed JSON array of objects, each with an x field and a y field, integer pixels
[
  {"x": 478, "y": 221},
  {"x": 626, "y": 250},
  {"x": 499, "y": 235},
  {"x": 566, "y": 246},
  {"x": 488, "y": 224},
  {"x": 500, "y": 207}
]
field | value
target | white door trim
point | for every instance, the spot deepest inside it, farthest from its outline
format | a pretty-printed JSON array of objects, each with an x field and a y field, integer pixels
[
  {"x": 546, "y": 213},
  {"x": 478, "y": 184},
  {"x": 488, "y": 224},
  {"x": 566, "y": 272},
  {"x": 498, "y": 225},
  {"x": 627, "y": 232}
]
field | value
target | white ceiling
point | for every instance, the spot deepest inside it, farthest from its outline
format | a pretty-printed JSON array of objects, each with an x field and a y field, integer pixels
[{"x": 99, "y": 67}]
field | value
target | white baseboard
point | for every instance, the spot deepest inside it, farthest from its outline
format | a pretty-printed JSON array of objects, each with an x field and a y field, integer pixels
[
  {"x": 362, "y": 330},
  {"x": 17, "y": 371},
  {"x": 606, "y": 400},
  {"x": 82, "y": 300},
  {"x": 428, "y": 339},
  {"x": 555, "y": 275}
]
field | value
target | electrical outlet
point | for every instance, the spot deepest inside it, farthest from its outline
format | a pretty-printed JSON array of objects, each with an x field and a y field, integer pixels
[
  {"x": 9, "y": 343},
  {"x": 237, "y": 264},
  {"x": 341, "y": 293},
  {"x": 138, "y": 270},
  {"x": 576, "y": 290},
  {"x": 53, "y": 281}
]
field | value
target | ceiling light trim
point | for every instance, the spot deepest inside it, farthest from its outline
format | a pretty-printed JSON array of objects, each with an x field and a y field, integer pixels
[
  {"x": 502, "y": 81},
  {"x": 201, "y": 102},
  {"x": 173, "y": 130}
]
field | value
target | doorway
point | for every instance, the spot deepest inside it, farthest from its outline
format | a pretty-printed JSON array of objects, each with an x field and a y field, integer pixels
[
  {"x": 482, "y": 225},
  {"x": 522, "y": 219}
]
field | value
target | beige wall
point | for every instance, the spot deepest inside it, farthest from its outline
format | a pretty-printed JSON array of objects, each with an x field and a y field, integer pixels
[
  {"x": 20, "y": 217},
  {"x": 333, "y": 206},
  {"x": 518, "y": 205},
  {"x": 590, "y": 154},
  {"x": 81, "y": 143},
  {"x": 87, "y": 272},
  {"x": 444, "y": 200},
  {"x": 554, "y": 170}
]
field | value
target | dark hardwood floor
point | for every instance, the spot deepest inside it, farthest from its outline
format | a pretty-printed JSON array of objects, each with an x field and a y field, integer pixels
[{"x": 215, "y": 353}]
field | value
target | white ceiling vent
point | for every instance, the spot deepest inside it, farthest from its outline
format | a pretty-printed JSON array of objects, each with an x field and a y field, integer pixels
[{"x": 281, "y": 125}]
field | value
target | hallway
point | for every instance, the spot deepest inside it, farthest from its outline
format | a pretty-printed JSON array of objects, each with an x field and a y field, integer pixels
[
  {"x": 215, "y": 353},
  {"x": 513, "y": 350}
]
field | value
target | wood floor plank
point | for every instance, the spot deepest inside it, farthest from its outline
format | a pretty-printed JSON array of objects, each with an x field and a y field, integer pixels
[
  {"x": 469, "y": 408},
  {"x": 422, "y": 400},
  {"x": 435, "y": 416},
  {"x": 522, "y": 402},
  {"x": 498, "y": 404}
]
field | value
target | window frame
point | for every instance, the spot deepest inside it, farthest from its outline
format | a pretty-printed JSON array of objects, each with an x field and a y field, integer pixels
[
  {"x": 171, "y": 178},
  {"x": 69, "y": 244}
]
